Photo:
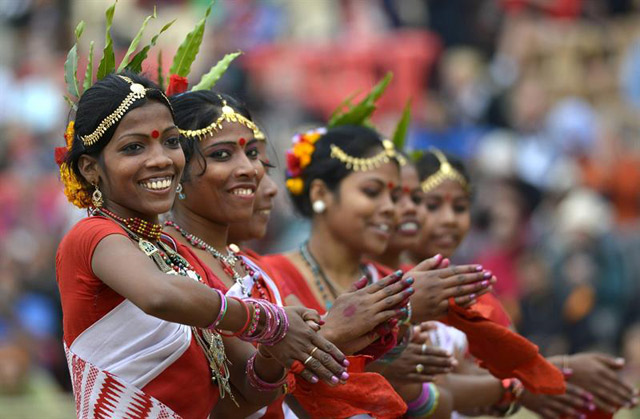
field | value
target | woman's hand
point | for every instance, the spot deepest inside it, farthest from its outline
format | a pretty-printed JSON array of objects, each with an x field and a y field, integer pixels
[
  {"x": 573, "y": 403},
  {"x": 597, "y": 374},
  {"x": 351, "y": 321},
  {"x": 434, "y": 361},
  {"x": 436, "y": 282},
  {"x": 322, "y": 359}
]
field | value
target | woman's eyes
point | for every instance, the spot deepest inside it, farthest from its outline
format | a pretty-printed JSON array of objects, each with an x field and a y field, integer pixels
[
  {"x": 220, "y": 154},
  {"x": 131, "y": 148},
  {"x": 253, "y": 153},
  {"x": 417, "y": 198},
  {"x": 173, "y": 142},
  {"x": 371, "y": 192},
  {"x": 433, "y": 206}
]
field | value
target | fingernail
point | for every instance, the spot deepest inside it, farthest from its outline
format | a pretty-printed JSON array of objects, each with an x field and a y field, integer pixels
[
  {"x": 346, "y": 363},
  {"x": 567, "y": 372},
  {"x": 409, "y": 280},
  {"x": 479, "y": 268},
  {"x": 588, "y": 396},
  {"x": 487, "y": 274},
  {"x": 620, "y": 361},
  {"x": 592, "y": 407},
  {"x": 314, "y": 379},
  {"x": 345, "y": 375},
  {"x": 334, "y": 379},
  {"x": 398, "y": 273},
  {"x": 321, "y": 322},
  {"x": 472, "y": 296},
  {"x": 438, "y": 257},
  {"x": 484, "y": 283},
  {"x": 409, "y": 290}
]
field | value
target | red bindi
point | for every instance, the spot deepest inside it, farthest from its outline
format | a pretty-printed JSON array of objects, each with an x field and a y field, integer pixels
[
  {"x": 155, "y": 133},
  {"x": 406, "y": 189},
  {"x": 391, "y": 185},
  {"x": 242, "y": 142}
]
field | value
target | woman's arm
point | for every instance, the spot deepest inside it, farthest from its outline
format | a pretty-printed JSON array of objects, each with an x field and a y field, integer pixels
[{"x": 119, "y": 263}]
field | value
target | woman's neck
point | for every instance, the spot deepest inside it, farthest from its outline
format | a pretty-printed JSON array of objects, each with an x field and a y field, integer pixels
[
  {"x": 214, "y": 234},
  {"x": 390, "y": 258},
  {"x": 124, "y": 212},
  {"x": 336, "y": 259}
]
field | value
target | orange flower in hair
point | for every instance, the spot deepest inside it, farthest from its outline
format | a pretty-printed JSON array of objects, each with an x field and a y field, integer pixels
[{"x": 299, "y": 157}]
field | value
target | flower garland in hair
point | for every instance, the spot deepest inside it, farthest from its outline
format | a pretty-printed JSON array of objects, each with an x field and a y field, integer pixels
[
  {"x": 73, "y": 188},
  {"x": 299, "y": 157}
]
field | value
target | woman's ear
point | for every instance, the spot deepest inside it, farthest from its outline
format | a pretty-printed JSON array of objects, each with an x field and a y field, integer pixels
[
  {"x": 318, "y": 191},
  {"x": 89, "y": 169}
]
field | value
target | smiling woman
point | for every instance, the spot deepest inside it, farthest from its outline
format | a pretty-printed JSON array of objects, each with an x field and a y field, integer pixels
[{"x": 141, "y": 326}]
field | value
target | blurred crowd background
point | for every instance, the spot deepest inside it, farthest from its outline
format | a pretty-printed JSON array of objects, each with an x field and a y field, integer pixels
[{"x": 540, "y": 97}]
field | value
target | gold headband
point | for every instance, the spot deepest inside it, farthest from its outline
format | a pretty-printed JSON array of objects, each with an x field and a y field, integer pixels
[
  {"x": 358, "y": 164},
  {"x": 138, "y": 91},
  {"x": 445, "y": 172},
  {"x": 228, "y": 114}
]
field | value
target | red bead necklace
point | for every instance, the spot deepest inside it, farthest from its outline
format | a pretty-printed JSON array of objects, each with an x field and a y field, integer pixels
[
  {"x": 227, "y": 262},
  {"x": 145, "y": 229}
]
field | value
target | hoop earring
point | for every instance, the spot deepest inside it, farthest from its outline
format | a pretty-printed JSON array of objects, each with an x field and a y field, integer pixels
[
  {"x": 96, "y": 197},
  {"x": 179, "y": 190},
  {"x": 318, "y": 206}
]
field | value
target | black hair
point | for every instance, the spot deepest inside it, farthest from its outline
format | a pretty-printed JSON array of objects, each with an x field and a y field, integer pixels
[
  {"x": 98, "y": 102},
  {"x": 428, "y": 164},
  {"x": 197, "y": 110},
  {"x": 355, "y": 140}
]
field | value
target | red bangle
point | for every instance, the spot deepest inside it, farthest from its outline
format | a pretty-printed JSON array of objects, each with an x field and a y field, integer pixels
[{"x": 246, "y": 324}]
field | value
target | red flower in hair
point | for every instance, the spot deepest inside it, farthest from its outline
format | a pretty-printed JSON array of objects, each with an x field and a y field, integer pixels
[
  {"x": 177, "y": 84},
  {"x": 293, "y": 164},
  {"x": 60, "y": 155}
]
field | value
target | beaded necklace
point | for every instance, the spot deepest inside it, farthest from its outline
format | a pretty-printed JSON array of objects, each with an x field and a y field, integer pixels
[
  {"x": 142, "y": 228},
  {"x": 171, "y": 262},
  {"x": 319, "y": 276},
  {"x": 228, "y": 262}
]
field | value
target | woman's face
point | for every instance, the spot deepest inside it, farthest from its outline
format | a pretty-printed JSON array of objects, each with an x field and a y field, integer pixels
[
  {"x": 256, "y": 228},
  {"x": 225, "y": 193},
  {"x": 448, "y": 220},
  {"x": 410, "y": 212},
  {"x": 361, "y": 211},
  {"x": 139, "y": 169}
]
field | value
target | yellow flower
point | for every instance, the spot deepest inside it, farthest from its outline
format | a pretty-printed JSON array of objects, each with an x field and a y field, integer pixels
[
  {"x": 295, "y": 185},
  {"x": 302, "y": 149},
  {"x": 73, "y": 189},
  {"x": 68, "y": 134},
  {"x": 312, "y": 137},
  {"x": 305, "y": 160}
]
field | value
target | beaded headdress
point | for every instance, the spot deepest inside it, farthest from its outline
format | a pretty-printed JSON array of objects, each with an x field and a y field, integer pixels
[
  {"x": 299, "y": 156},
  {"x": 445, "y": 172}
]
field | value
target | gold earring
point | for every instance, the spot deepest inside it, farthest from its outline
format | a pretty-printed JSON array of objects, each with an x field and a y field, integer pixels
[{"x": 96, "y": 197}]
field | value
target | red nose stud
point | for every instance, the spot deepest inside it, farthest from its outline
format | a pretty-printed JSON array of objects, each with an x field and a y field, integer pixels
[{"x": 155, "y": 133}]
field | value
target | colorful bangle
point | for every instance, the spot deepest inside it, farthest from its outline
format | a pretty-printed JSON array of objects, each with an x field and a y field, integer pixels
[
  {"x": 426, "y": 404},
  {"x": 397, "y": 350},
  {"x": 407, "y": 319},
  {"x": 222, "y": 312},
  {"x": 246, "y": 323},
  {"x": 258, "y": 383}
]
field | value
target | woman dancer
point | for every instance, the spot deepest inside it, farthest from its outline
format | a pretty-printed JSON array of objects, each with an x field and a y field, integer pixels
[
  {"x": 224, "y": 172},
  {"x": 140, "y": 326},
  {"x": 448, "y": 220}
]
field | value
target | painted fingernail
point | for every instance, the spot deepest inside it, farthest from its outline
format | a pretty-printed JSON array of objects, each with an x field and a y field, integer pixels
[
  {"x": 567, "y": 372},
  {"x": 321, "y": 322},
  {"x": 398, "y": 273},
  {"x": 346, "y": 363},
  {"x": 409, "y": 280},
  {"x": 345, "y": 376},
  {"x": 409, "y": 290},
  {"x": 314, "y": 379},
  {"x": 487, "y": 274},
  {"x": 484, "y": 283},
  {"x": 438, "y": 257},
  {"x": 334, "y": 379},
  {"x": 472, "y": 296}
]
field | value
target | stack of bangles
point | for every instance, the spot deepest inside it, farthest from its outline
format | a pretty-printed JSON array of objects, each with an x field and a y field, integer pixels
[
  {"x": 508, "y": 404},
  {"x": 426, "y": 403},
  {"x": 275, "y": 326}
]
